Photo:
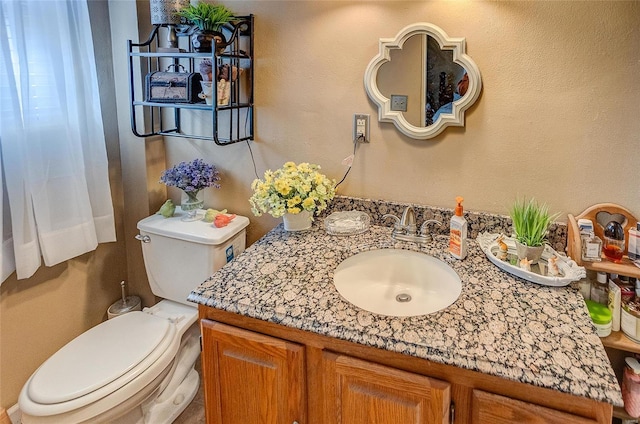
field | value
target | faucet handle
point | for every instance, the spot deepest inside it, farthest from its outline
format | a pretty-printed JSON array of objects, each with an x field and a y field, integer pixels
[
  {"x": 423, "y": 228},
  {"x": 396, "y": 221}
]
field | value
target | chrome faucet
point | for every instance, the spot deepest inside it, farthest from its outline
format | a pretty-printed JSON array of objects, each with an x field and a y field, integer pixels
[{"x": 405, "y": 228}]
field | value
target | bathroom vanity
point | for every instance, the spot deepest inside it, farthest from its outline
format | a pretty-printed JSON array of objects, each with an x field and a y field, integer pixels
[{"x": 280, "y": 345}]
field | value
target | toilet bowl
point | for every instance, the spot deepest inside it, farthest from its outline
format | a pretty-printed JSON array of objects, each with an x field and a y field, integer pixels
[
  {"x": 138, "y": 367},
  {"x": 93, "y": 376}
]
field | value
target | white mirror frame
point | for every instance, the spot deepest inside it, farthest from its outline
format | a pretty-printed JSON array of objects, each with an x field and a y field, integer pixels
[{"x": 456, "y": 117}]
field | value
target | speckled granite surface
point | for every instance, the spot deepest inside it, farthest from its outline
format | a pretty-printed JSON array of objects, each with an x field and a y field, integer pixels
[
  {"x": 500, "y": 325},
  {"x": 478, "y": 222}
]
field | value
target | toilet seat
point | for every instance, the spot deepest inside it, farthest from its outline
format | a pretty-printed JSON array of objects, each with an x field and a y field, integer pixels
[
  {"x": 121, "y": 344},
  {"x": 131, "y": 349}
]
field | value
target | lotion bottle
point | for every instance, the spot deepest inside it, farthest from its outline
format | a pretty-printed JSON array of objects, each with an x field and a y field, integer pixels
[{"x": 458, "y": 232}]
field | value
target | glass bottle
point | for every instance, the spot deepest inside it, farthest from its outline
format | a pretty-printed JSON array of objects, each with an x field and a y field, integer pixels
[
  {"x": 600, "y": 289},
  {"x": 613, "y": 241},
  {"x": 585, "y": 288},
  {"x": 591, "y": 247}
]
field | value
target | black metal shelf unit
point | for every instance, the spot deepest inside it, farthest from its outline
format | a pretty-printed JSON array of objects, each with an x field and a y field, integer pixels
[{"x": 231, "y": 122}]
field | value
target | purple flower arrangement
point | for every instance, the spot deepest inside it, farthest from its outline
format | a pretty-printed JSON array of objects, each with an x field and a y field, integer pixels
[{"x": 191, "y": 176}]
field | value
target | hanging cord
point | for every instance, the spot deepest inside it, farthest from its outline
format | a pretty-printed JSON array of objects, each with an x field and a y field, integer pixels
[
  {"x": 353, "y": 156},
  {"x": 253, "y": 160}
]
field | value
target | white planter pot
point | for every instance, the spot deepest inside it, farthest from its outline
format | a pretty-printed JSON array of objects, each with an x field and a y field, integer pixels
[
  {"x": 298, "y": 221},
  {"x": 531, "y": 253}
]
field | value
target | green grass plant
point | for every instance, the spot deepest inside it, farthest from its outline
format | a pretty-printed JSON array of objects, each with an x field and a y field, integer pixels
[
  {"x": 207, "y": 16},
  {"x": 531, "y": 222}
]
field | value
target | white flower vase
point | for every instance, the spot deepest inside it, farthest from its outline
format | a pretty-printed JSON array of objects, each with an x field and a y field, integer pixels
[{"x": 297, "y": 221}]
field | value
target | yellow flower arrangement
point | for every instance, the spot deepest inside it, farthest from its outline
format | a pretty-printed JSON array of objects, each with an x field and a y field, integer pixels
[{"x": 292, "y": 188}]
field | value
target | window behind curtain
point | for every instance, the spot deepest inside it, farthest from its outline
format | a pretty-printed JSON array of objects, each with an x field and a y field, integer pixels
[{"x": 54, "y": 163}]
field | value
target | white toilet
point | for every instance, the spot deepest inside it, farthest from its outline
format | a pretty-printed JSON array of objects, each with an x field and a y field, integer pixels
[{"x": 139, "y": 367}]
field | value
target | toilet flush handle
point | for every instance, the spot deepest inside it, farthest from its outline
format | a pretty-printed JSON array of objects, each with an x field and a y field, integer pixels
[{"x": 144, "y": 239}]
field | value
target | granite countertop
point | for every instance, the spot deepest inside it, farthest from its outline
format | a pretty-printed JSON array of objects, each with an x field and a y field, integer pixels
[{"x": 500, "y": 325}]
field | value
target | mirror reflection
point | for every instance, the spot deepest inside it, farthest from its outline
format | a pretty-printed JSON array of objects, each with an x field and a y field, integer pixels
[
  {"x": 427, "y": 75},
  {"x": 428, "y": 69},
  {"x": 445, "y": 81},
  {"x": 403, "y": 75}
]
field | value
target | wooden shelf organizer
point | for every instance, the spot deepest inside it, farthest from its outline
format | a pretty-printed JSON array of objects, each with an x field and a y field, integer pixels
[
  {"x": 617, "y": 340},
  {"x": 574, "y": 246}
]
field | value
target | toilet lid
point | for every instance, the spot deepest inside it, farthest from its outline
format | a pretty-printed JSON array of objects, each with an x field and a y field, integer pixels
[{"x": 98, "y": 357}]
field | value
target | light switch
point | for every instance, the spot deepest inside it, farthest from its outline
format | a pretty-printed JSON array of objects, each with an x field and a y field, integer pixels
[{"x": 399, "y": 102}]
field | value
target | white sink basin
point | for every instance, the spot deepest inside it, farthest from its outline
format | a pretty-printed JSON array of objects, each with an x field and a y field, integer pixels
[{"x": 397, "y": 282}]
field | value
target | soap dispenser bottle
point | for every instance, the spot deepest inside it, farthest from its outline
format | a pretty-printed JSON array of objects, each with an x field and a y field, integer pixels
[{"x": 458, "y": 232}]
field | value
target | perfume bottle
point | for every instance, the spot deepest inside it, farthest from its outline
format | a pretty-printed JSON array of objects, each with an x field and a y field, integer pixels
[
  {"x": 591, "y": 244},
  {"x": 591, "y": 247},
  {"x": 613, "y": 241}
]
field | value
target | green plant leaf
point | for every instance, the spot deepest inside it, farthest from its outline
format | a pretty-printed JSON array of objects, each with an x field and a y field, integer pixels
[
  {"x": 207, "y": 16},
  {"x": 531, "y": 221}
]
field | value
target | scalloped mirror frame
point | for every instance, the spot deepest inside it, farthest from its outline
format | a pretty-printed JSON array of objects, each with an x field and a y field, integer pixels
[{"x": 456, "y": 117}]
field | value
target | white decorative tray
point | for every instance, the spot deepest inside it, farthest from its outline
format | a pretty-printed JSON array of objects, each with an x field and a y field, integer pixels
[{"x": 569, "y": 270}]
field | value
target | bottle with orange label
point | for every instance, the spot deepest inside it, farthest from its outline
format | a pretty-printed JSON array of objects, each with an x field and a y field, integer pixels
[{"x": 458, "y": 232}]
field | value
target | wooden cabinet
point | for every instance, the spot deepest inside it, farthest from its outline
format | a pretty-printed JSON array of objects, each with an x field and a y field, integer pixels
[
  {"x": 261, "y": 372},
  {"x": 489, "y": 408},
  {"x": 359, "y": 392},
  {"x": 251, "y": 378}
]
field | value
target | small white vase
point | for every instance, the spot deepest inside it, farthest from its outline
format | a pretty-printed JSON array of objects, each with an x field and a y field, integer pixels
[{"x": 297, "y": 221}]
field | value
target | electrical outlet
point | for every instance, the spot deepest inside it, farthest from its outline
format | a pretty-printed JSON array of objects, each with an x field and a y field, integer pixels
[
  {"x": 361, "y": 128},
  {"x": 399, "y": 102}
]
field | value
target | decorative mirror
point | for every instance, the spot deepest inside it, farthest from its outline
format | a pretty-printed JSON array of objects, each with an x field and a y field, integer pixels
[{"x": 422, "y": 81}]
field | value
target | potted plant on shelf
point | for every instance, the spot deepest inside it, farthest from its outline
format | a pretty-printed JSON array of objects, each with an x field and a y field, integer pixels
[
  {"x": 531, "y": 222},
  {"x": 294, "y": 192},
  {"x": 207, "y": 20}
]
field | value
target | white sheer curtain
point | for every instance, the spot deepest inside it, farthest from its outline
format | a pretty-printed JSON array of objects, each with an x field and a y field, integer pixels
[{"x": 54, "y": 161}]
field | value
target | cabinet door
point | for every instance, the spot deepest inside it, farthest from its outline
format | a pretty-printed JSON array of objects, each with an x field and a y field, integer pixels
[
  {"x": 358, "y": 392},
  {"x": 489, "y": 408},
  {"x": 251, "y": 378}
]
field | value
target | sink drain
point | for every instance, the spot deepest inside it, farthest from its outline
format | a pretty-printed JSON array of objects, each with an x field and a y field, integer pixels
[{"x": 403, "y": 298}]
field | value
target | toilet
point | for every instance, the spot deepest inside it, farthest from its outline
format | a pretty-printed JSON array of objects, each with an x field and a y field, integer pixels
[{"x": 139, "y": 367}]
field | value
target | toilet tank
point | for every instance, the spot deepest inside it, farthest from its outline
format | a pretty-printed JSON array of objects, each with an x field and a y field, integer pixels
[{"x": 180, "y": 255}]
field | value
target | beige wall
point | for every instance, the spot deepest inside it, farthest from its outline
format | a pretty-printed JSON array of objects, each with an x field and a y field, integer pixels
[{"x": 558, "y": 119}]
